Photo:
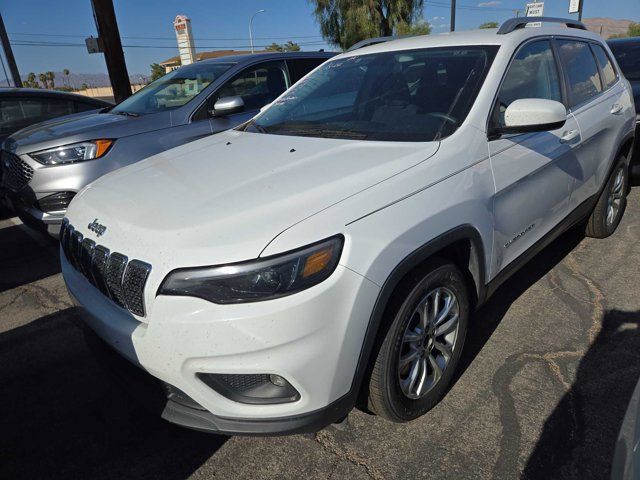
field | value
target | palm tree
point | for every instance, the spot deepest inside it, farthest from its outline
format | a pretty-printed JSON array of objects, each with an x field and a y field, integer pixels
[
  {"x": 50, "y": 78},
  {"x": 31, "y": 80},
  {"x": 43, "y": 80},
  {"x": 66, "y": 74}
]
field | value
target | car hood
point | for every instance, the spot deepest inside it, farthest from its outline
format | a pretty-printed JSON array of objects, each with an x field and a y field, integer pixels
[
  {"x": 224, "y": 198},
  {"x": 80, "y": 127}
]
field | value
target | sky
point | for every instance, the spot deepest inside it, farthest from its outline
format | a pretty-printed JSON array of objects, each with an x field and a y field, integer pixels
[{"x": 148, "y": 36}]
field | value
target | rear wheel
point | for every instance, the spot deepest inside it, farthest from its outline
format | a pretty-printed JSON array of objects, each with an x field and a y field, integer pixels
[
  {"x": 611, "y": 205},
  {"x": 422, "y": 347}
]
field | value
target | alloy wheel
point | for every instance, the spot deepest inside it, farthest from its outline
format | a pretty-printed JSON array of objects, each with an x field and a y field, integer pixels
[
  {"x": 616, "y": 195},
  {"x": 428, "y": 342}
]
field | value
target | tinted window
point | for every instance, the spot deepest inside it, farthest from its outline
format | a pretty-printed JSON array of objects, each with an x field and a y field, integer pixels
[
  {"x": 627, "y": 54},
  {"x": 581, "y": 68},
  {"x": 533, "y": 74},
  {"x": 174, "y": 89},
  {"x": 415, "y": 96},
  {"x": 299, "y": 67},
  {"x": 257, "y": 85},
  {"x": 83, "y": 107},
  {"x": 606, "y": 67},
  {"x": 17, "y": 113}
]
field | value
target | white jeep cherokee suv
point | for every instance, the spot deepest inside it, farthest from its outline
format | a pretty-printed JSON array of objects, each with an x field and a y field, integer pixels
[{"x": 331, "y": 251}]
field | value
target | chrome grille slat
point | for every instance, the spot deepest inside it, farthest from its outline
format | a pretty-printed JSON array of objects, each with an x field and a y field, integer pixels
[
  {"x": 17, "y": 173},
  {"x": 116, "y": 277},
  {"x": 114, "y": 274}
]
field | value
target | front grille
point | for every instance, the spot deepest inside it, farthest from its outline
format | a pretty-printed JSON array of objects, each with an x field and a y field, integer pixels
[
  {"x": 56, "y": 202},
  {"x": 119, "y": 279},
  {"x": 17, "y": 174}
]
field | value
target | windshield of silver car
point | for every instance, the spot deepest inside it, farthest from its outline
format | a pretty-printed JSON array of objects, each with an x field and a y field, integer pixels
[{"x": 172, "y": 90}]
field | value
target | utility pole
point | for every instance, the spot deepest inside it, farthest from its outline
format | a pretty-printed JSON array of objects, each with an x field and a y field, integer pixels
[
  {"x": 580, "y": 10},
  {"x": 8, "y": 53},
  {"x": 453, "y": 15},
  {"x": 109, "y": 35}
]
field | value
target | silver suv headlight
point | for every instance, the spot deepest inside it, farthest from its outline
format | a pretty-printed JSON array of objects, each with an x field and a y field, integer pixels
[
  {"x": 257, "y": 280},
  {"x": 76, "y": 152}
]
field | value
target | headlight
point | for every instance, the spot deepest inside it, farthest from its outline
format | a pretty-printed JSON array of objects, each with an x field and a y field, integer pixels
[
  {"x": 76, "y": 152},
  {"x": 257, "y": 280}
]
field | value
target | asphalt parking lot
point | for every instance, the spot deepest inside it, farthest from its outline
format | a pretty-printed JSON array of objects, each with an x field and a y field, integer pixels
[{"x": 550, "y": 365}]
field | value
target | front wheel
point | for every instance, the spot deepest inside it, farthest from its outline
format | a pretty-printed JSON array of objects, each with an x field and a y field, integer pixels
[
  {"x": 612, "y": 202},
  {"x": 422, "y": 347}
]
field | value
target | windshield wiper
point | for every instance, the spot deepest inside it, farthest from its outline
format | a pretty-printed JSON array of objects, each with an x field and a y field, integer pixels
[{"x": 127, "y": 114}]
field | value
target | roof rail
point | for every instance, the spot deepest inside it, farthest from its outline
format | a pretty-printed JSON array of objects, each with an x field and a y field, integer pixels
[
  {"x": 370, "y": 41},
  {"x": 520, "y": 22}
]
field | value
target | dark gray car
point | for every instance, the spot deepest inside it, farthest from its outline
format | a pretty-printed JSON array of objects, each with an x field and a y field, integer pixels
[{"x": 45, "y": 165}]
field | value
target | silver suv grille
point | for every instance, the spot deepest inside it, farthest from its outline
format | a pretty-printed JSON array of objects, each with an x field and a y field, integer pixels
[
  {"x": 117, "y": 277},
  {"x": 17, "y": 174}
]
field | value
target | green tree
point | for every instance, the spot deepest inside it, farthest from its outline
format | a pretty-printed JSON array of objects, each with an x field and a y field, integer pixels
[
  {"x": 286, "y": 47},
  {"x": 43, "y": 79},
  {"x": 31, "y": 81},
  {"x": 66, "y": 76},
  {"x": 157, "y": 71},
  {"x": 50, "y": 79},
  {"x": 345, "y": 22},
  {"x": 489, "y": 25},
  {"x": 420, "y": 27}
]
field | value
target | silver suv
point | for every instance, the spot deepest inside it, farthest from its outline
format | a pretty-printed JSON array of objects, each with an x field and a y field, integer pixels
[{"x": 47, "y": 164}]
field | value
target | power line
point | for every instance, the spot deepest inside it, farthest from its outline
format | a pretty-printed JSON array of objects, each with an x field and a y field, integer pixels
[
  {"x": 290, "y": 37},
  {"x": 27, "y": 43}
]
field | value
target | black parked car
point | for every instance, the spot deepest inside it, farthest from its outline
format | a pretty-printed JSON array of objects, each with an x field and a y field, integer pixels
[
  {"x": 21, "y": 107},
  {"x": 627, "y": 53}
]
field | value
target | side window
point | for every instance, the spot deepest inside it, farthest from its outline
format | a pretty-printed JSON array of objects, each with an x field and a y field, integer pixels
[
  {"x": 55, "y": 107},
  {"x": 532, "y": 74},
  {"x": 257, "y": 85},
  {"x": 609, "y": 76},
  {"x": 299, "y": 67},
  {"x": 17, "y": 113},
  {"x": 582, "y": 71},
  {"x": 83, "y": 107}
]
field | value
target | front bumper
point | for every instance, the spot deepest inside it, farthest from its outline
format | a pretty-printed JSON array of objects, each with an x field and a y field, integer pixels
[
  {"x": 313, "y": 339},
  {"x": 44, "y": 181}
]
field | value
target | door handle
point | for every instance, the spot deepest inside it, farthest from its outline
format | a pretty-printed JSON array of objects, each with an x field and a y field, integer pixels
[
  {"x": 616, "y": 109},
  {"x": 570, "y": 136}
]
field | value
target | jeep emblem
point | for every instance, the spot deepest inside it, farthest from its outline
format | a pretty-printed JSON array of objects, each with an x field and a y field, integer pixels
[{"x": 96, "y": 227}]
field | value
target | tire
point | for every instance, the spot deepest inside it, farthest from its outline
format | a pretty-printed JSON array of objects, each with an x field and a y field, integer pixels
[
  {"x": 612, "y": 202},
  {"x": 392, "y": 394}
]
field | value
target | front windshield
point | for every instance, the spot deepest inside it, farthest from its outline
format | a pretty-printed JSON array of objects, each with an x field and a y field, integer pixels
[
  {"x": 415, "y": 96},
  {"x": 628, "y": 57},
  {"x": 172, "y": 90}
]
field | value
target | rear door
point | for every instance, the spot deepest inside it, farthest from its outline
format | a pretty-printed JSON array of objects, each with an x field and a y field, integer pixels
[
  {"x": 534, "y": 173},
  {"x": 594, "y": 91}
]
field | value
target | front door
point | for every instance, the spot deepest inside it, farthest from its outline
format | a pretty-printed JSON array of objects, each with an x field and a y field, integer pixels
[
  {"x": 257, "y": 85},
  {"x": 534, "y": 173}
]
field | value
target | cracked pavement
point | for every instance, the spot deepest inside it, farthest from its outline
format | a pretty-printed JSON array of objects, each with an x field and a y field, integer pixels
[{"x": 549, "y": 366}]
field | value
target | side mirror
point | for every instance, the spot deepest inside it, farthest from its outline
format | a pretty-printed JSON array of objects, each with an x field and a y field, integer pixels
[
  {"x": 227, "y": 106},
  {"x": 533, "y": 115}
]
